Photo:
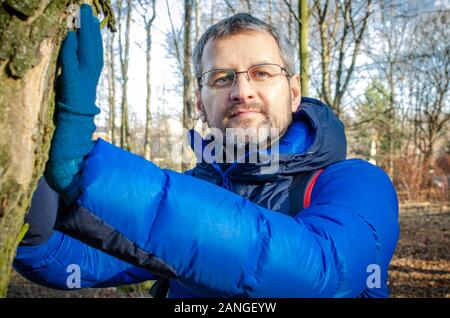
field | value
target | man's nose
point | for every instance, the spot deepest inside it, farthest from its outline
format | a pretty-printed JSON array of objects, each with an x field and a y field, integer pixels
[{"x": 242, "y": 90}]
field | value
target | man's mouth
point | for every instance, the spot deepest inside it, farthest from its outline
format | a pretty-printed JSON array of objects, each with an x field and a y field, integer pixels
[{"x": 244, "y": 113}]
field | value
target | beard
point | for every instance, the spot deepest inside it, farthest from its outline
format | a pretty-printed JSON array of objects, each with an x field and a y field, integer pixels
[
  {"x": 249, "y": 130},
  {"x": 260, "y": 128}
]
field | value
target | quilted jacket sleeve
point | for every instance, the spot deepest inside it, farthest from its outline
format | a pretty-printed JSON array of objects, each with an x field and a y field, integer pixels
[
  {"x": 49, "y": 257},
  {"x": 221, "y": 244},
  {"x": 53, "y": 263}
]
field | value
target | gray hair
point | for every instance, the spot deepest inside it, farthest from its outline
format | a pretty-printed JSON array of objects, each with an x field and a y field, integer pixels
[{"x": 236, "y": 24}]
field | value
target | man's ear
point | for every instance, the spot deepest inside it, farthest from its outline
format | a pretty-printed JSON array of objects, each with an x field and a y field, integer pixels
[
  {"x": 199, "y": 105},
  {"x": 296, "y": 92}
]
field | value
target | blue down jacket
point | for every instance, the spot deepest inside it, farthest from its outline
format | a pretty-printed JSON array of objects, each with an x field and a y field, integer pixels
[{"x": 224, "y": 228}]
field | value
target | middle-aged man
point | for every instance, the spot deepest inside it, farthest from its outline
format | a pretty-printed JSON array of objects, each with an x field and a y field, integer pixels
[{"x": 315, "y": 225}]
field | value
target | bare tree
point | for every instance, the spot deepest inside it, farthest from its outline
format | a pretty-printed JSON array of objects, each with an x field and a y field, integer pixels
[
  {"x": 111, "y": 68},
  {"x": 429, "y": 64},
  {"x": 188, "y": 80},
  {"x": 124, "y": 53},
  {"x": 230, "y": 7},
  {"x": 302, "y": 19},
  {"x": 269, "y": 7},
  {"x": 175, "y": 38},
  {"x": 341, "y": 30},
  {"x": 197, "y": 20},
  {"x": 145, "y": 5},
  {"x": 385, "y": 48},
  {"x": 303, "y": 12},
  {"x": 248, "y": 5},
  {"x": 290, "y": 22}
]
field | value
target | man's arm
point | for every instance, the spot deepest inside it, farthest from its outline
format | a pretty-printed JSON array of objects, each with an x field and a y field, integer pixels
[
  {"x": 221, "y": 244},
  {"x": 81, "y": 61},
  {"x": 44, "y": 255}
]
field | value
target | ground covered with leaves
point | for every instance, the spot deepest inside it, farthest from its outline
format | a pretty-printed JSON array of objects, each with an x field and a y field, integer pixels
[
  {"x": 420, "y": 267},
  {"x": 421, "y": 264}
]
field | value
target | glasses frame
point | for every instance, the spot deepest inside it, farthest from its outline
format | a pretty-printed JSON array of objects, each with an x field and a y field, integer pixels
[{"x": 201, "y": 78}]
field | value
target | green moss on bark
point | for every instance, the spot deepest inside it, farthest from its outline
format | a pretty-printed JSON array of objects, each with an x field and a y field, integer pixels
[
  {"x": 4, "y": 162},
  {"x": 11, "y": 194},
  {"x": 6, "y": 47},
  {"x": 24, "y": 7},
  {"x": 19, "y": 49},
  {"x": 45, "y": 136},
  {"x": 19, "y": 42}
]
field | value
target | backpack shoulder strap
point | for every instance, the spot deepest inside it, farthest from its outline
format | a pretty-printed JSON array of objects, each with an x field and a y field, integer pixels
[
  {"x": 160, "y": 288},
  {"x": 300, "y": 190}
]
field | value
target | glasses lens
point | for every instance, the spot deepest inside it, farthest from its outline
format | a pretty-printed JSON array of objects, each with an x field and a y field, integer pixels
[
  {"x": 265, "y": 74},
  {"x": 219, "y": 79}
]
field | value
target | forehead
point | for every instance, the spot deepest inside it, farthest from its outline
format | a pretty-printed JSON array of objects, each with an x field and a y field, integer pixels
[{"x": 240, "y": 51}]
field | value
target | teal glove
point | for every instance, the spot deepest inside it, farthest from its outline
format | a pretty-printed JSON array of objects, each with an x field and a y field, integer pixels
[{"x": 81, "y": 60}]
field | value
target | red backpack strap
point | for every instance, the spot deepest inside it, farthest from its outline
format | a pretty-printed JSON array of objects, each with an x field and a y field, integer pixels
[
  {"x": 309, "y": 188},
  {"x": 301, "y": 187}
]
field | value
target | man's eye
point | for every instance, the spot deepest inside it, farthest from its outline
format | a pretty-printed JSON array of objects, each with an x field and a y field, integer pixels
[
  {"x": 261, "y": 75},
  {"x": 223, "y": 80}
]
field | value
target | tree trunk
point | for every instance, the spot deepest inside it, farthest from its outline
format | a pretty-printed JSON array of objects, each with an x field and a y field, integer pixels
[
  {"x": 111, "y": 89},
  {"x": 30, "y": 36},
  {"x": 197, "y": 20},
  {"x": 31, "y": 33},
  {"x": 213, "y": 6},
  {"x": 124, "y": 59},
  {"x": 188, "y": 109},
  {"x": 324, "y": 51},
  {"x": 269, "y": 5},
  {"x": 148, "y": 117},
  {"x": 392, "y": 122},
  {"x": 303, "y": 13},
  {"x": 290, "y": 23}
]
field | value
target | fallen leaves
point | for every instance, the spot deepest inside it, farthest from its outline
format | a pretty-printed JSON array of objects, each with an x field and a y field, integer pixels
[{"x": 421, "y": 264}]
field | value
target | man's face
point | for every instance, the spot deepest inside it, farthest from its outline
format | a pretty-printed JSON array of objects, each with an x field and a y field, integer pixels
[{"x": 243, "y": 105}]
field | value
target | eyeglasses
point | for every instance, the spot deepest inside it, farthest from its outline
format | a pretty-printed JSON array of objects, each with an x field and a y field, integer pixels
[{"x": 260, "y": 75}]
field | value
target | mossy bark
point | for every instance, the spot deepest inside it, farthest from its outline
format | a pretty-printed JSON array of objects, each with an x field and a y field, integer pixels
[
  {"x": 30, "y": 35},
  {"x": 31, "y": 32}
]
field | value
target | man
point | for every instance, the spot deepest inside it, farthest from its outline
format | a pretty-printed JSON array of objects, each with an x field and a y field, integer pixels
[{"x": 318, "y": 226}]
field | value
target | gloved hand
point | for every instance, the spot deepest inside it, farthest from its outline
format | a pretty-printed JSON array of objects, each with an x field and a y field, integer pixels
[{"x": 81, "y": 60}]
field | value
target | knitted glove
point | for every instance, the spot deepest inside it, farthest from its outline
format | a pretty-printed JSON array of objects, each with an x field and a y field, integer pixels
[{"x": 81, "y": 60}]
